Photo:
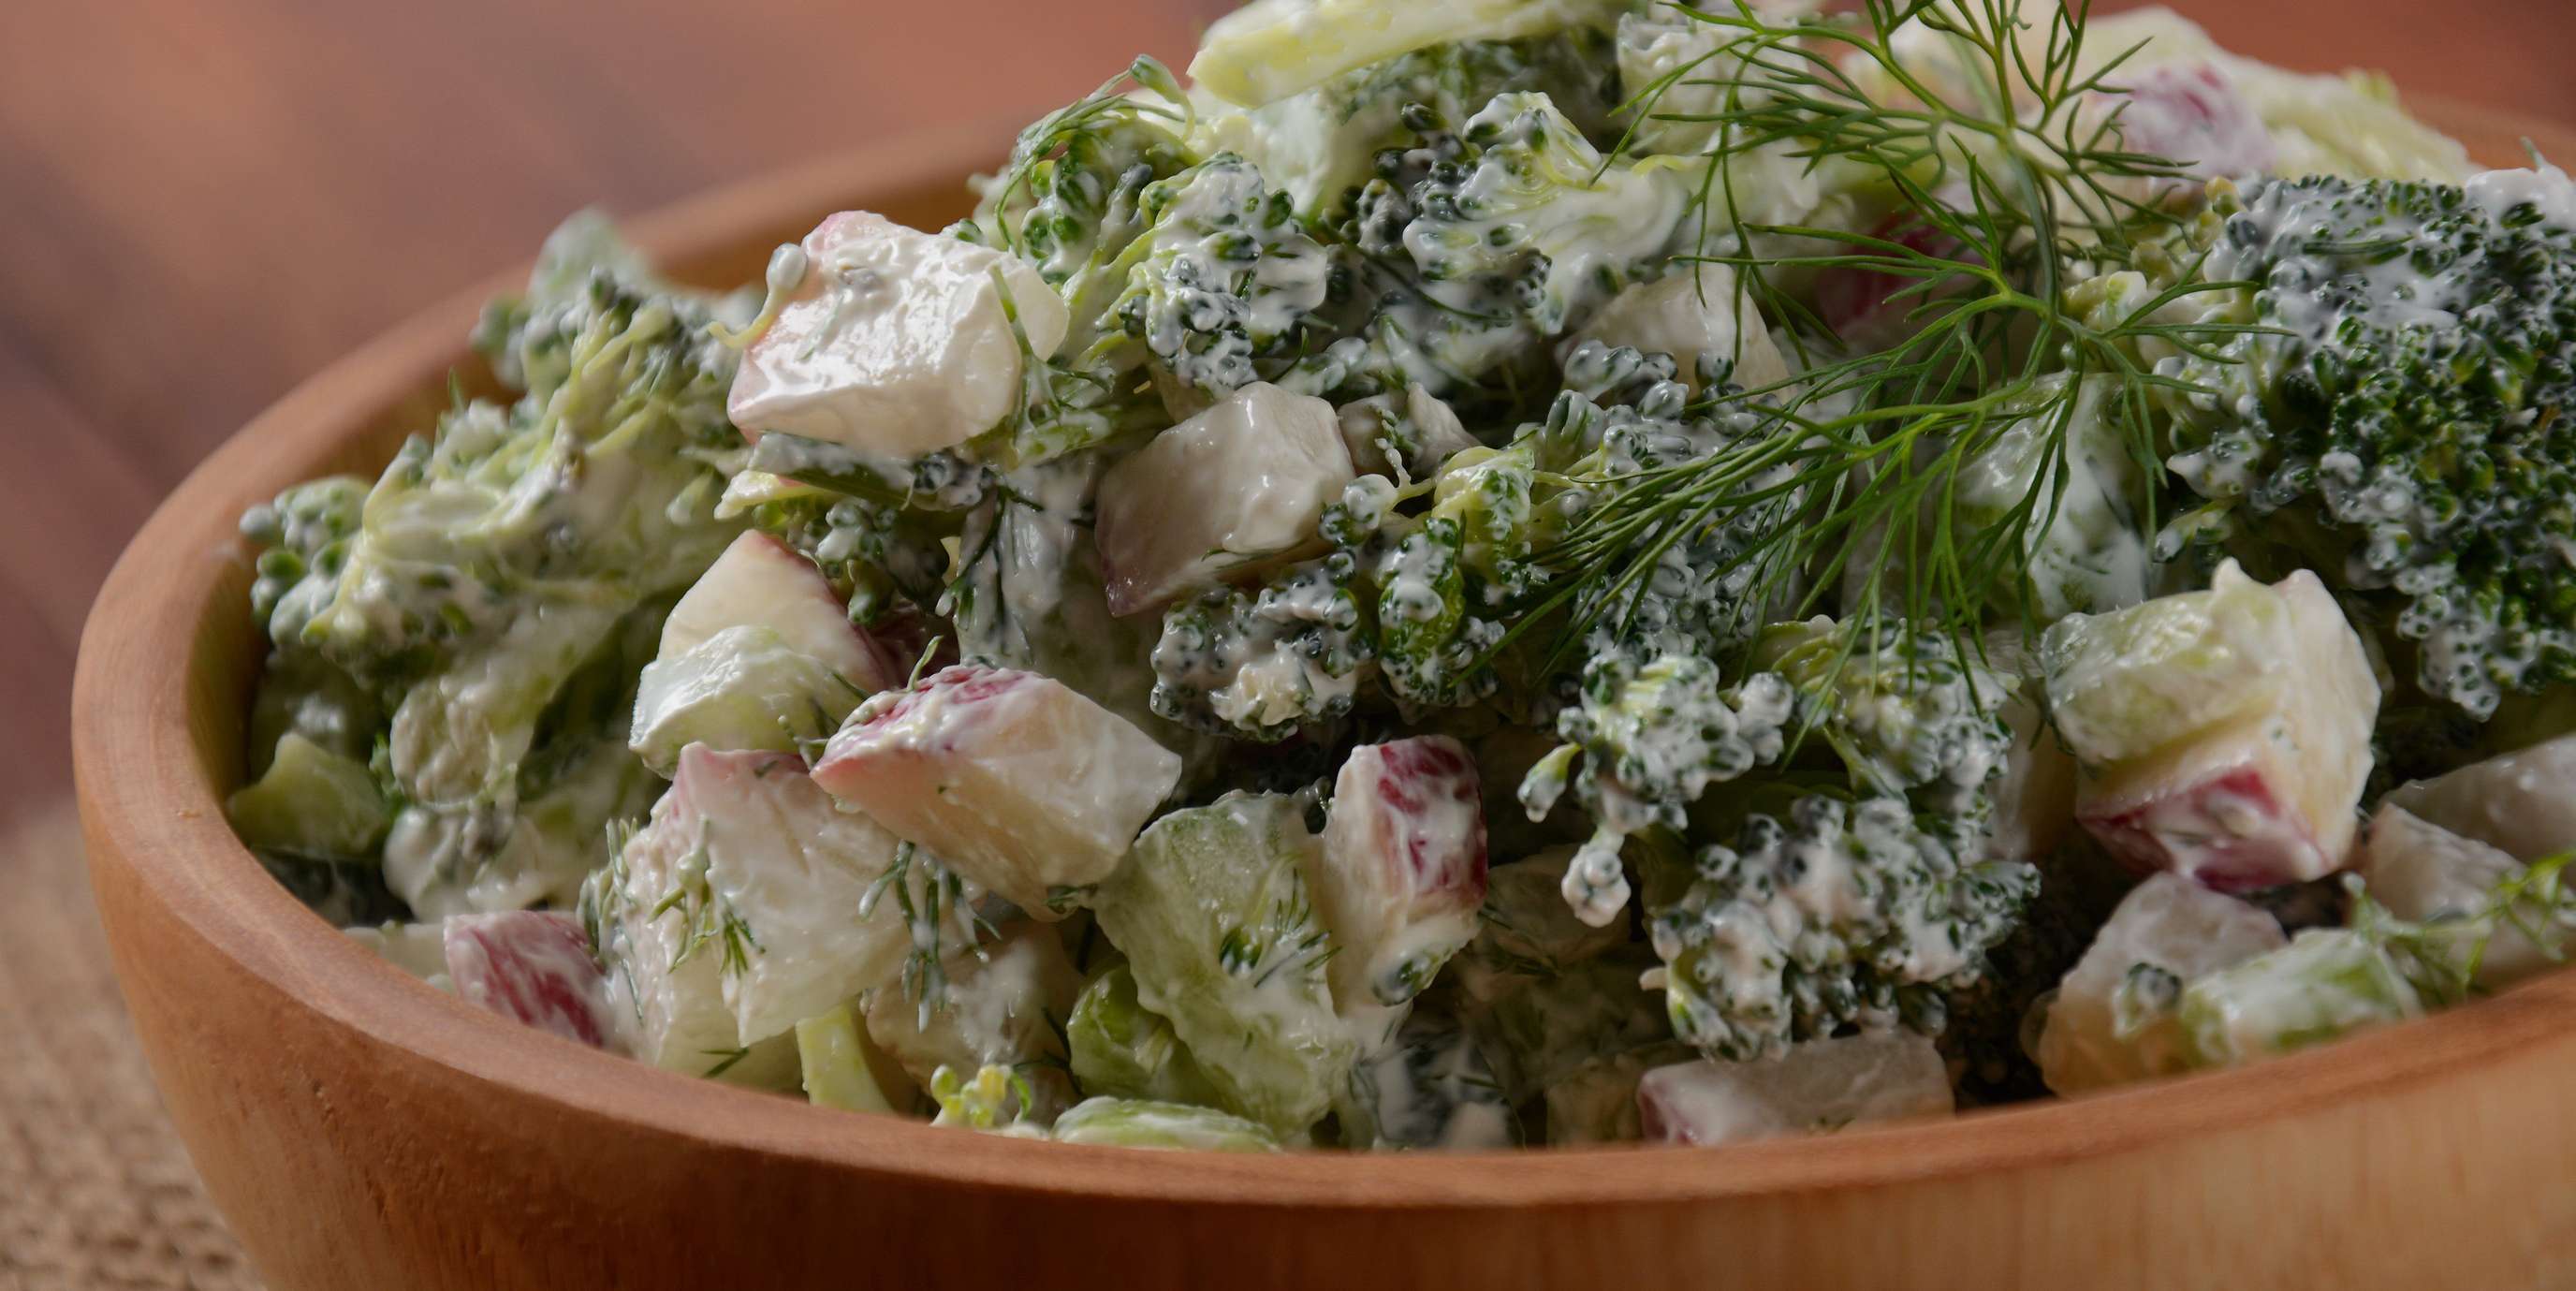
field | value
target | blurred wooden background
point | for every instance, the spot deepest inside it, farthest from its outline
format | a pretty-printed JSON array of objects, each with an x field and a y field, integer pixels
[{"x": 202, "y": 201}]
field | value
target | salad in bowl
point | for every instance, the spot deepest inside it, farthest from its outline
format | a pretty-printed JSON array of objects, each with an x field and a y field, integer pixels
[{"x": 1489, "y": 573}]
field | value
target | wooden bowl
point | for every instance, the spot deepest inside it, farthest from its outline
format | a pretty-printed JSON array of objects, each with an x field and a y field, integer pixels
[{"x": 365, "y": 1132}]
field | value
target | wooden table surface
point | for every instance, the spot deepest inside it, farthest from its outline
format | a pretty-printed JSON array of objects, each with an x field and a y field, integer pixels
[{"x": 202, "y": 201}]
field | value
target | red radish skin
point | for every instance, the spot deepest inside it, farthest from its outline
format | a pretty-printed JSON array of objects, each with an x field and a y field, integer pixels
[
  {"x": 2201, "y": 831},
  {"x": 533, "y": 966},
  {"x": 1413, "y": 775},
  {"x": 2193, "y": 114},
  {"x": 1403, "y": 864}
]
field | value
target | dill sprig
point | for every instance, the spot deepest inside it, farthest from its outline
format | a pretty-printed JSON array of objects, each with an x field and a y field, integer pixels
[
  {"x": 935, "y": 905},
  {"x": 1023, "y": 180},
  {"x": 2009, "y": 184},
  {"x": 707, "y": 916},
  {"x": 2441, "y": 956}
]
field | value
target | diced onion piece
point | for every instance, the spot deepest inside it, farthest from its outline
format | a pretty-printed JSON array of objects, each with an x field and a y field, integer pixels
[
  {"x": 1234, "y": 488},
  {"x": 894, "y": 341},
  {"x": 534, "y": 967},
  {"x": 1020, "y": 783},
  {"x": 1403, "y": 872},
  {"x": 1820, "y": 1085},
  {"x": 2174, "y": 930}
]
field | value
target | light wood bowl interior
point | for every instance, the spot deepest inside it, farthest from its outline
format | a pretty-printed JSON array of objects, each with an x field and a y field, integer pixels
[{"x": 364, "y": 1131}]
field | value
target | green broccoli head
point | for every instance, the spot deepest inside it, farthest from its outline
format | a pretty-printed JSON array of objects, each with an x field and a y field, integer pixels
[
  {"x": 2398, "y": 418},
  {"x": 1862, "y": 907},
  {"x": 1908, "y": 712},
  {"x": 1478, "y": 244},
  {"x": 1224, "y": 279},
  {"x": 1846, "y": 915}
]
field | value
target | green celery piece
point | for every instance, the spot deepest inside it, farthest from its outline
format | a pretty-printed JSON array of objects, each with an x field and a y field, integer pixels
[
  {"x": 1123, "y": 1049},
  {"x": 2327, "y": 983},
  {"x": 1144, "y": 1123},
  {"x": 834, "y": 1054},
  {"x": 1212, "y": 912},
  {"x": 312, "y": 802}
]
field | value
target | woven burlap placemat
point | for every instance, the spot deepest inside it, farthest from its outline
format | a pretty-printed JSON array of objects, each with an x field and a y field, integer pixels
[{"x": 96, "y": 1193}]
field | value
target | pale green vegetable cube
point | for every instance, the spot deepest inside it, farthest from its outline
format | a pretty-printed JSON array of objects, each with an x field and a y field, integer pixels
[
  {"x": 839, "y": 1067},
  {"x": 2327, "y": 983},
  {"x": 1143, "y": 1123},
  {"x": 1124, "y": 1049},
  {"x": 2133, "y": 681},
  {"x": 1212, "y": 911},
  {"x": 312, "y": 802}
]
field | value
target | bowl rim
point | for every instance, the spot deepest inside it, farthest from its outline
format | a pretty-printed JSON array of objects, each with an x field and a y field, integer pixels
[{"x": 148, "y": 800}]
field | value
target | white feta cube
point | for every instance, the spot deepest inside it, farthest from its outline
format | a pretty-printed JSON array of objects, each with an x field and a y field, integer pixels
[
  {"x": 1820, "y": 1085},
  {"x": 1403, "y": 866},
  {"x": 894, "y": 341},
  {"x": 1022, "y": 784},
  {"x": 1234, "y": 488},
  {"x": 2113, "y": 1018}
]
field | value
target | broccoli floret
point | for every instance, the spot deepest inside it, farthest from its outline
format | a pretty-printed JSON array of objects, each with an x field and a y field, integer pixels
[
  {"x": 1224, "y": 278},
  {"x": 1862, "y": 908},
  {"x": 1478, "y": 245},
  {"x": 1261, "y": 663},
  {"x": 1426, "y": 577},
  {"x": 1651, "y": 739},
  {"x": 498, "y": 588},
  {"x": 1848, "y": 915},
  {"x": 1317, "y": 144},
  {"x": 2399, "y": 414},
  {"x": 1906, "y": 710}
]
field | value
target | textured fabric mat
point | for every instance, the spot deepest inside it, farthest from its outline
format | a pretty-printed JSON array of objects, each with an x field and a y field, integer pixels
[{"x": 96, "y": 1193}]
